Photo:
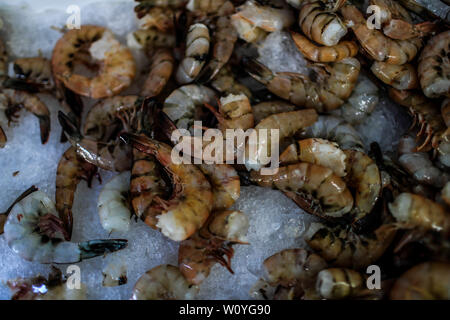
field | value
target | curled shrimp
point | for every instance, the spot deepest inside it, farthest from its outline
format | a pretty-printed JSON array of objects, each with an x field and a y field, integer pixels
[
  {"x": 209, "y": 245},
  {"x": 322, "y": 24},
  {"x": 401, "y": 77},
  {"x": 12, "y": 100},
  {"x": 397, "y": 22},
  {"x": 325, "y": 95},
  {"x": 183, "y": 104},
  {"x": 112, "y": 156},
  {"x": 225, "y": 184},
  {"x": 419, "y": 164},
  {"x": 117, "y": 66},
  {"x": 337, "y": 52},
  {"x": 287, "y": 124},
  {"x": 40, "y": 288},
  {"x": 434, "y": 66},
  {"x": 191, "y": 201},
  {"x": 426, "y": 116},
  {"x": 113, "y": 208},
  {"x": 160, "y": 72},
  {"x": 342, "y": 247},
  {"x": 264, "y": 109},
  {"x": 150, "y": 38},
  {"x": 164, "y": 282},
  {"x": 362, "y": 102},
  {"x": 376, "y": 44},
  {"x": 225, "y": 82},
  {"x": 316, "y": 151},
  {"x": 414, "y": 210},
  {"x": 197, "y": 48},
  {"x": 314, "y": 188},
  {"x": 426, "y": 281},
  {"x": 235, "y": 112},
  {"x": 34, "y": 231},
  {"x": 339, "y": 283},
  {"x": 335, "y": 129},
  {"x": 224, "y": 38},
  {"x": 71, "y": 170}
]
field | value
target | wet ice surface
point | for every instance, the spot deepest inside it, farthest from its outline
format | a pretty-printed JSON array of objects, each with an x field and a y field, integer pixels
[{"x": 275, "y": 222}]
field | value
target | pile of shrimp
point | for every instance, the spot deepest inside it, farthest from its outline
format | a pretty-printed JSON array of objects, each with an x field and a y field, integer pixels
[{"x": 372, "y": 208}]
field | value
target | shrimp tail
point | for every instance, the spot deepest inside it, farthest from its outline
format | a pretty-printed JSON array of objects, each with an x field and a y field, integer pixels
[
  {"x": 94, "y": 248},
  {"x": 69, "y": 126},
  {"x": 44, "y": 125},
  {"x": 257, "y": 70},
  {"x": 3, "y": 138}
]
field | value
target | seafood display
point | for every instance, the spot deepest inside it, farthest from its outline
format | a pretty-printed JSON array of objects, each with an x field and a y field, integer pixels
[{"x": 180, "y": 124}]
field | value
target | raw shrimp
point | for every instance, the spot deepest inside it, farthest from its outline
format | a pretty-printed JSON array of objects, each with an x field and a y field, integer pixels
[
  {"x": 150, "y": 38},
  {"x": 339, "y": 283},
  {"x": 434, "y": 66},
  {"x": 324, "y": 94},
  {"x": 224, "y": 38},
  {"x": 156, "y": 17},
  {"x": 376, "y": 44},
  {"x": 71, "y": 170},
  {"x": 235, "y": 112},
  {"x": 40, "y": 288},
  {"x": 419, "y": 164},
  {"x": 183, "y": 103},
  {"x": 264, "y": 109},
  {"x": 335, "y": 129},
  {"x": 293, "y": 267},
  {"x": 401, "y": 77},
  {"x": 425, "y": 114},
  {"x": 164, "y": 282},
  {"x": 209, "y": 245},
  {"x": 414, "y": 210},
  {"x": 322, "y": 24},
  {"x": 12, "y": 100},
  {"x": 316, "y": 151},
  {"x": 4, "y": 215},
  {"x": 197, "y": 48},
  {"x": 337, "y": 52},
  {"x": 225, "y": 184},
  {"x": 362, "y": 102},
  {"x": 113, "y": 206},
  {"x": 287, "y": 124},
  {"x": 342, "y": 247},
  {"x": 34, "y": 71},
  {"x": 225, "y": 82},
  {"x": 191, "y": 201},
  {"x": 426, "y": 281},
  {"x": 160, "y": 72},
  {"x": 397, "y": 22},
  {"x": 112, "y": 156},
  {"x": 34, "y": 231},
  {"x": 314, "y": 188},
  {"x": 117, "y": 66}
]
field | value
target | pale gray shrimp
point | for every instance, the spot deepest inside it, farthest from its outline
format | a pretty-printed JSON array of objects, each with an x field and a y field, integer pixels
[
  {"x": 184, "y": 103},
  {"x": 419, "y": 164},
  {"x": 376, "y": 44},
  {"x": 34, "y": 231},
  {"x": 164, "y": 282},
  {"x": 325, "y": 94},
  {"x": 434, "y": 66},
  {"x": 197, "y": 48},
  {"x": 191, "y": 200},
  {"x": 11, "y": 101},
  {"x": 339, "y": 283},
  {"x": 401, "y": 77},
  {"x": 117, "y": 66},
  {"x": 41, "y": 288},
  {"x": 342, "y": 247},
  {"x": 264, "y": 109},
  {"x": 209, "y": 245},
  {"x": 362, "y": 102},
  {"x": 113, "y": 207},
  {"x": 413, "y": 210},
  {"x": 335, "y": 129}
]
